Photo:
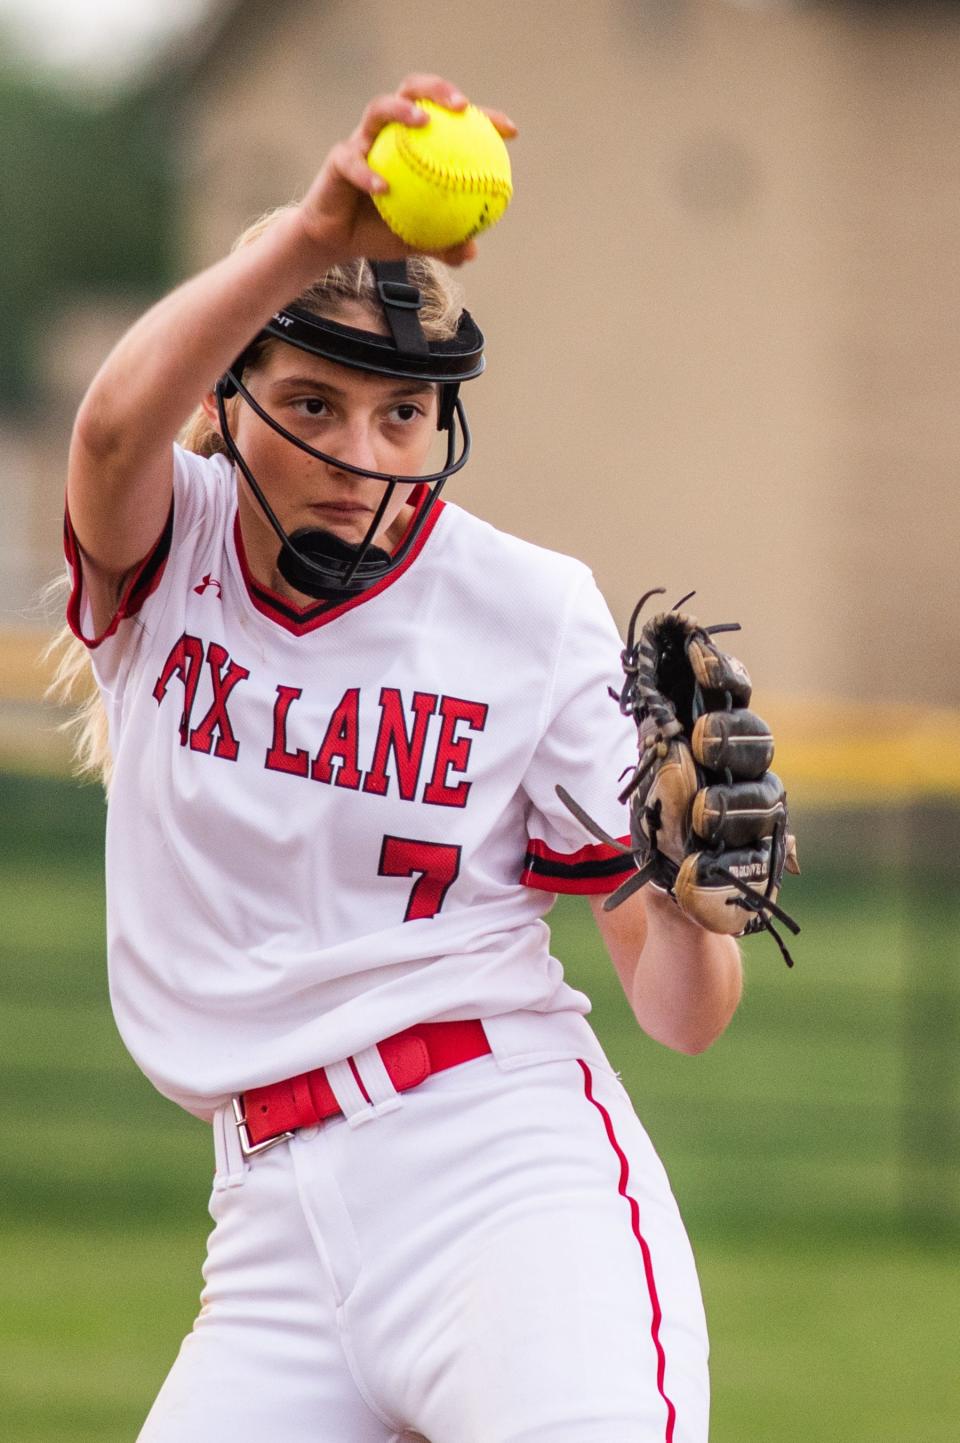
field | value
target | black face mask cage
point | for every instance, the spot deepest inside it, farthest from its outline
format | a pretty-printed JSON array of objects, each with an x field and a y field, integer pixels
[
  {"x": 316, "y": 562},
  {"x": 344, "y": 575}
]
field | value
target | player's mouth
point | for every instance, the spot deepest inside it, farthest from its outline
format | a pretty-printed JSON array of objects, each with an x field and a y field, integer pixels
[{"x": 342, "y": 509}]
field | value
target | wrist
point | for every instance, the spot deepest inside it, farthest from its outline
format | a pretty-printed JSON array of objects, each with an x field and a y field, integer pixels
[
  {"x": 319, "y": 239},
  {"x": 666, "y": 909},
  {"x": 302, "y": 248}
]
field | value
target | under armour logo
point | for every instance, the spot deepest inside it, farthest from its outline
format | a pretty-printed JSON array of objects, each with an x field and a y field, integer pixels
[{"x": 209, "y": 580}]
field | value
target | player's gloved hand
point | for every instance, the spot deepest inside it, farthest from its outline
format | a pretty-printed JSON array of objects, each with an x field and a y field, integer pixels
[
  {"x": 337, "y": 213},
  {"x": 708, "y": 819}
]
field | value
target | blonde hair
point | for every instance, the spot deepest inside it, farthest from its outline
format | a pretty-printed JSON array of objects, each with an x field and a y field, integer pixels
[
  {"x": 72, "y": 685},
  {"x": 336, "y": 288}
]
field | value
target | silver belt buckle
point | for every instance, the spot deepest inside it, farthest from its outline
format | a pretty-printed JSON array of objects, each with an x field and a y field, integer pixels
[{"x": 248, "y": 1148}]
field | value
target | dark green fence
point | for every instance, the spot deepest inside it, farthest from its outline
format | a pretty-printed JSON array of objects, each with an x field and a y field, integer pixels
[{"x": 832, "y": 1102}]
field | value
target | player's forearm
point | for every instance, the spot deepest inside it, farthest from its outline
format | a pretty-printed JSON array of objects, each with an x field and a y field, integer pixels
[
  {"x": 682, "y": 982},
  {"x": 172, "y": 356},
  {"x": 687, "y": 981}
]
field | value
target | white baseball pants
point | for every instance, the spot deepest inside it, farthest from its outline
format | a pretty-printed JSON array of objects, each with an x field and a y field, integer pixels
[{"x": 497, "y": 1260}]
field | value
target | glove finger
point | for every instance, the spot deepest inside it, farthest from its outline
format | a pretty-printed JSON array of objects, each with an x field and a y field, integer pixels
[
  {"x": 712, "y": 900},
  {"x": 738, "y": 740},
  {"x": 738, "y": 814},
  {"x": 660, "y": 808},
  {"x": 717, "y": 673}
]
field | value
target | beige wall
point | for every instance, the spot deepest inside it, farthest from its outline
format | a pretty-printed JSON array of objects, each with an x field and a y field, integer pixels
[
  {"x": 35, "y": 453},
  {"x": 726, "y": 290}
]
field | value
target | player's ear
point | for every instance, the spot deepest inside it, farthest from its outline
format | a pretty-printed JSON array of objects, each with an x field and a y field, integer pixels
[{"x": 209, "y": 407}]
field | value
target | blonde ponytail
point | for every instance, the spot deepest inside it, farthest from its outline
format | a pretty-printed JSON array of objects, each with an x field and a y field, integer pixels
[{"x": 72, "y": 685}]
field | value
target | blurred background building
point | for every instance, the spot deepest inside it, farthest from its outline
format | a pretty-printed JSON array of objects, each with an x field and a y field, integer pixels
[{"x": 721, "y": 313}]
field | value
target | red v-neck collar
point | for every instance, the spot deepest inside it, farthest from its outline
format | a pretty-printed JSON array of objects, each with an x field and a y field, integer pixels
[{"x": 301, "y": 620}]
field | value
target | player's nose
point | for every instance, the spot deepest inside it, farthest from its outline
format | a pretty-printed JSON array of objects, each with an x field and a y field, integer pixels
[{"x": 355, "y": 445}]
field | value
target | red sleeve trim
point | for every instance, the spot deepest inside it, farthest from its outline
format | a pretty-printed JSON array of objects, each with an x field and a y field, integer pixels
[
  {"x": 595, "y": 869},
  {"x": 143, "y": 581}
]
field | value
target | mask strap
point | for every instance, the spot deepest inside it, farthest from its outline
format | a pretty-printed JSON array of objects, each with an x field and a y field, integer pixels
[
  {"x": 401, "y": 303},
  {"x": 447, "y": 404}
]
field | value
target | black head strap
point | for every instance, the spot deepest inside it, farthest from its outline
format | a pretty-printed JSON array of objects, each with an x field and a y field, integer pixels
[
  {"x": 401, "y": 303},
  {"x": 458, "y": 359},
  {"x": 404, "y": 352}
]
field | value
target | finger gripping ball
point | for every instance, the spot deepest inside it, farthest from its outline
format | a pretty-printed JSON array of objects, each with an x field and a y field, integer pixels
[{"x": 449, "y": 179}]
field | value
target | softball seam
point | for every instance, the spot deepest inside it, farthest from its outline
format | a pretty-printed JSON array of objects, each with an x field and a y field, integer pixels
[{"x": 459, "y": 180}]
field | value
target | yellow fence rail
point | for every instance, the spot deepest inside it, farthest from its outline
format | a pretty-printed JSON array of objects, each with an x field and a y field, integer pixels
[{"x": 831, "y": 752}]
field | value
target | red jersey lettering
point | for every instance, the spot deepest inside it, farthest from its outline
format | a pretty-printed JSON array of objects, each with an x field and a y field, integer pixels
[{"x": 453, "y": 752}]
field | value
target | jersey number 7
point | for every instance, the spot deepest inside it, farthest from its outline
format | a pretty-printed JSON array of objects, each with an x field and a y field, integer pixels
[{"x": 436, "y": 866}]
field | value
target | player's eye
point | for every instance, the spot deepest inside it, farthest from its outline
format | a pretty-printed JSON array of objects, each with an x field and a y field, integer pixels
[
  {"x": 311, "y": 406},
  {"x": 405, "y": 412}
]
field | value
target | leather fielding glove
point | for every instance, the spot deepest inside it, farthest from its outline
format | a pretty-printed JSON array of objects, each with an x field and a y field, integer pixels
[{"x": 708, "y": 819}]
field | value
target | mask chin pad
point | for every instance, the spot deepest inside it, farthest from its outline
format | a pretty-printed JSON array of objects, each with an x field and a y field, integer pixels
[{"x": 323, "y": 548}]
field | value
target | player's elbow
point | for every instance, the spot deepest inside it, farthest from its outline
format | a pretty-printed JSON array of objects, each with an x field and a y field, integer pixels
[
  {"x": 699, "y": 1040},
  {"x": 97, "y": 429},
  {"x": 691, "y": 1037},
  {"x": 707, "y": 1025},
  {"x": 688, "y": 1011}
]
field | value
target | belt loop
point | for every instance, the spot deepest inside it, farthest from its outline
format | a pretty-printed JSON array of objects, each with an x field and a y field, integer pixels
[
  {"x": 354, "y": 1106},
  {"x": 377, "y": 1081},
  {"x": 231, "y": 1167}
]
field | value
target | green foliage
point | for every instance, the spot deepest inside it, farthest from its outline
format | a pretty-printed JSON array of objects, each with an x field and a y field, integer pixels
[
  {"x": 85, "y": 192},
  {"x": 831, "y": 1317}
]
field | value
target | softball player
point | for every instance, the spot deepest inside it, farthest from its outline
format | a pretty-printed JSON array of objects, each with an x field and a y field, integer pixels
[{"x": 338, "y": 708}]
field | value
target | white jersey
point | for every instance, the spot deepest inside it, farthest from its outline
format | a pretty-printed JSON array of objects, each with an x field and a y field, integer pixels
[{"x": 328, "y": 824}]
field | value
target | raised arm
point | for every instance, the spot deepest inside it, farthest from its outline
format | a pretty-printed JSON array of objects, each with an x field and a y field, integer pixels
[{"x": 120, "y": 468}]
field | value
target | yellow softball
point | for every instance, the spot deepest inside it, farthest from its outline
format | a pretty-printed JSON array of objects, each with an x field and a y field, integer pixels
[{"x": 449, "y": 179}]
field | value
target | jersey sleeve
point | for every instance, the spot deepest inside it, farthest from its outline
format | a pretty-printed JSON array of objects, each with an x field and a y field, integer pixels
[
  {"x": 585, "y": 745},
  {"x": 194, "y": 481}
]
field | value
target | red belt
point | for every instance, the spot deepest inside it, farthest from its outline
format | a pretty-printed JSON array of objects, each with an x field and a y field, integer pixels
[{"x": 267, "y": 1115}]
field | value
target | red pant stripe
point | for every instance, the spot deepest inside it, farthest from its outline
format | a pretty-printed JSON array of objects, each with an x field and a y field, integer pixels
[{"x": 644, "y": 1248}]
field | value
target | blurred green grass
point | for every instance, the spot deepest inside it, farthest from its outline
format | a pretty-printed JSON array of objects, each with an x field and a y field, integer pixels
[{"x": 830, "y": 1319}]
